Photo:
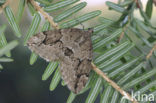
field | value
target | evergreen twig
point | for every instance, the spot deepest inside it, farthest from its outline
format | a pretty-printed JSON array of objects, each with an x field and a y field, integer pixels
[
  {"x": 154, "y": 1},
  {"x": 113, "y": 84},
  {"x": 97, "y": 70},
  {"x": 46, "y": 16},
  {"x": 4, "y": 5},
  {"x": 151, "y": 52}
]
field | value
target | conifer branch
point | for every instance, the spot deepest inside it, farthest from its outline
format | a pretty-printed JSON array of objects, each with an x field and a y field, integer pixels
[
  {"x": 137, "y": 3},
  {"x": 4, "y": 5},
  {"x": 113, "y": 84},
  {"x": 123, "y": 32},
  {"x": 97, "y": 70},
  {"x": 121, "y": 36},
  {"x": 46, "y": 16},
  {"x": 154, "y": 1},
  {"x": 151, "y": 52}
]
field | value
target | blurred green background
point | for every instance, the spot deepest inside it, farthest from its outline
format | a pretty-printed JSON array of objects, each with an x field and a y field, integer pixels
[{"x": 20, "y": 82}]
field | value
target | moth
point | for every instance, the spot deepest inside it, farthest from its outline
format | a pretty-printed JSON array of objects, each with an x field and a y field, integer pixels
[{"x": 72, "y": 47}]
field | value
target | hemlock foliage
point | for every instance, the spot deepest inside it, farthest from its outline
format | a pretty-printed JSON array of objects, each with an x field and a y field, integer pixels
[{"x": 116, "y": 51}]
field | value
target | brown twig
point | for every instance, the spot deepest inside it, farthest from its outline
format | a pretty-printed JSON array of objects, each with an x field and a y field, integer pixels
[
  {"x": 121, "y": 36},
  {"x": 151, "y": 52},
  {"x": 97, "y": 70},
  {"x": 46, "y": 16},
  {"x": 113, "y": 84},
  {"x": 4, "y": 5},
  {"x": 123, "y": 32},
  {"x": 154, "y": 1},
  {"x": 137, "y": 3}
]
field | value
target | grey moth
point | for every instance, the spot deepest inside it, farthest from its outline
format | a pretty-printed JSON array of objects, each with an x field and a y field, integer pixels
[{"x": 72, "y": 47}]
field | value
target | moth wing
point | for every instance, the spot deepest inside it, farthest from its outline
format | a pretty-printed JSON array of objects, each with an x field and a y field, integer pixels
[
  {"x": 79, "y": 41},
  {"x": 44, "y": 44},
  {"x": 75, "y": 73}
]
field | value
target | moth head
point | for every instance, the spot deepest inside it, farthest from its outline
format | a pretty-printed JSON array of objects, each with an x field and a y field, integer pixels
[{"x": 91, "y": 30}]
